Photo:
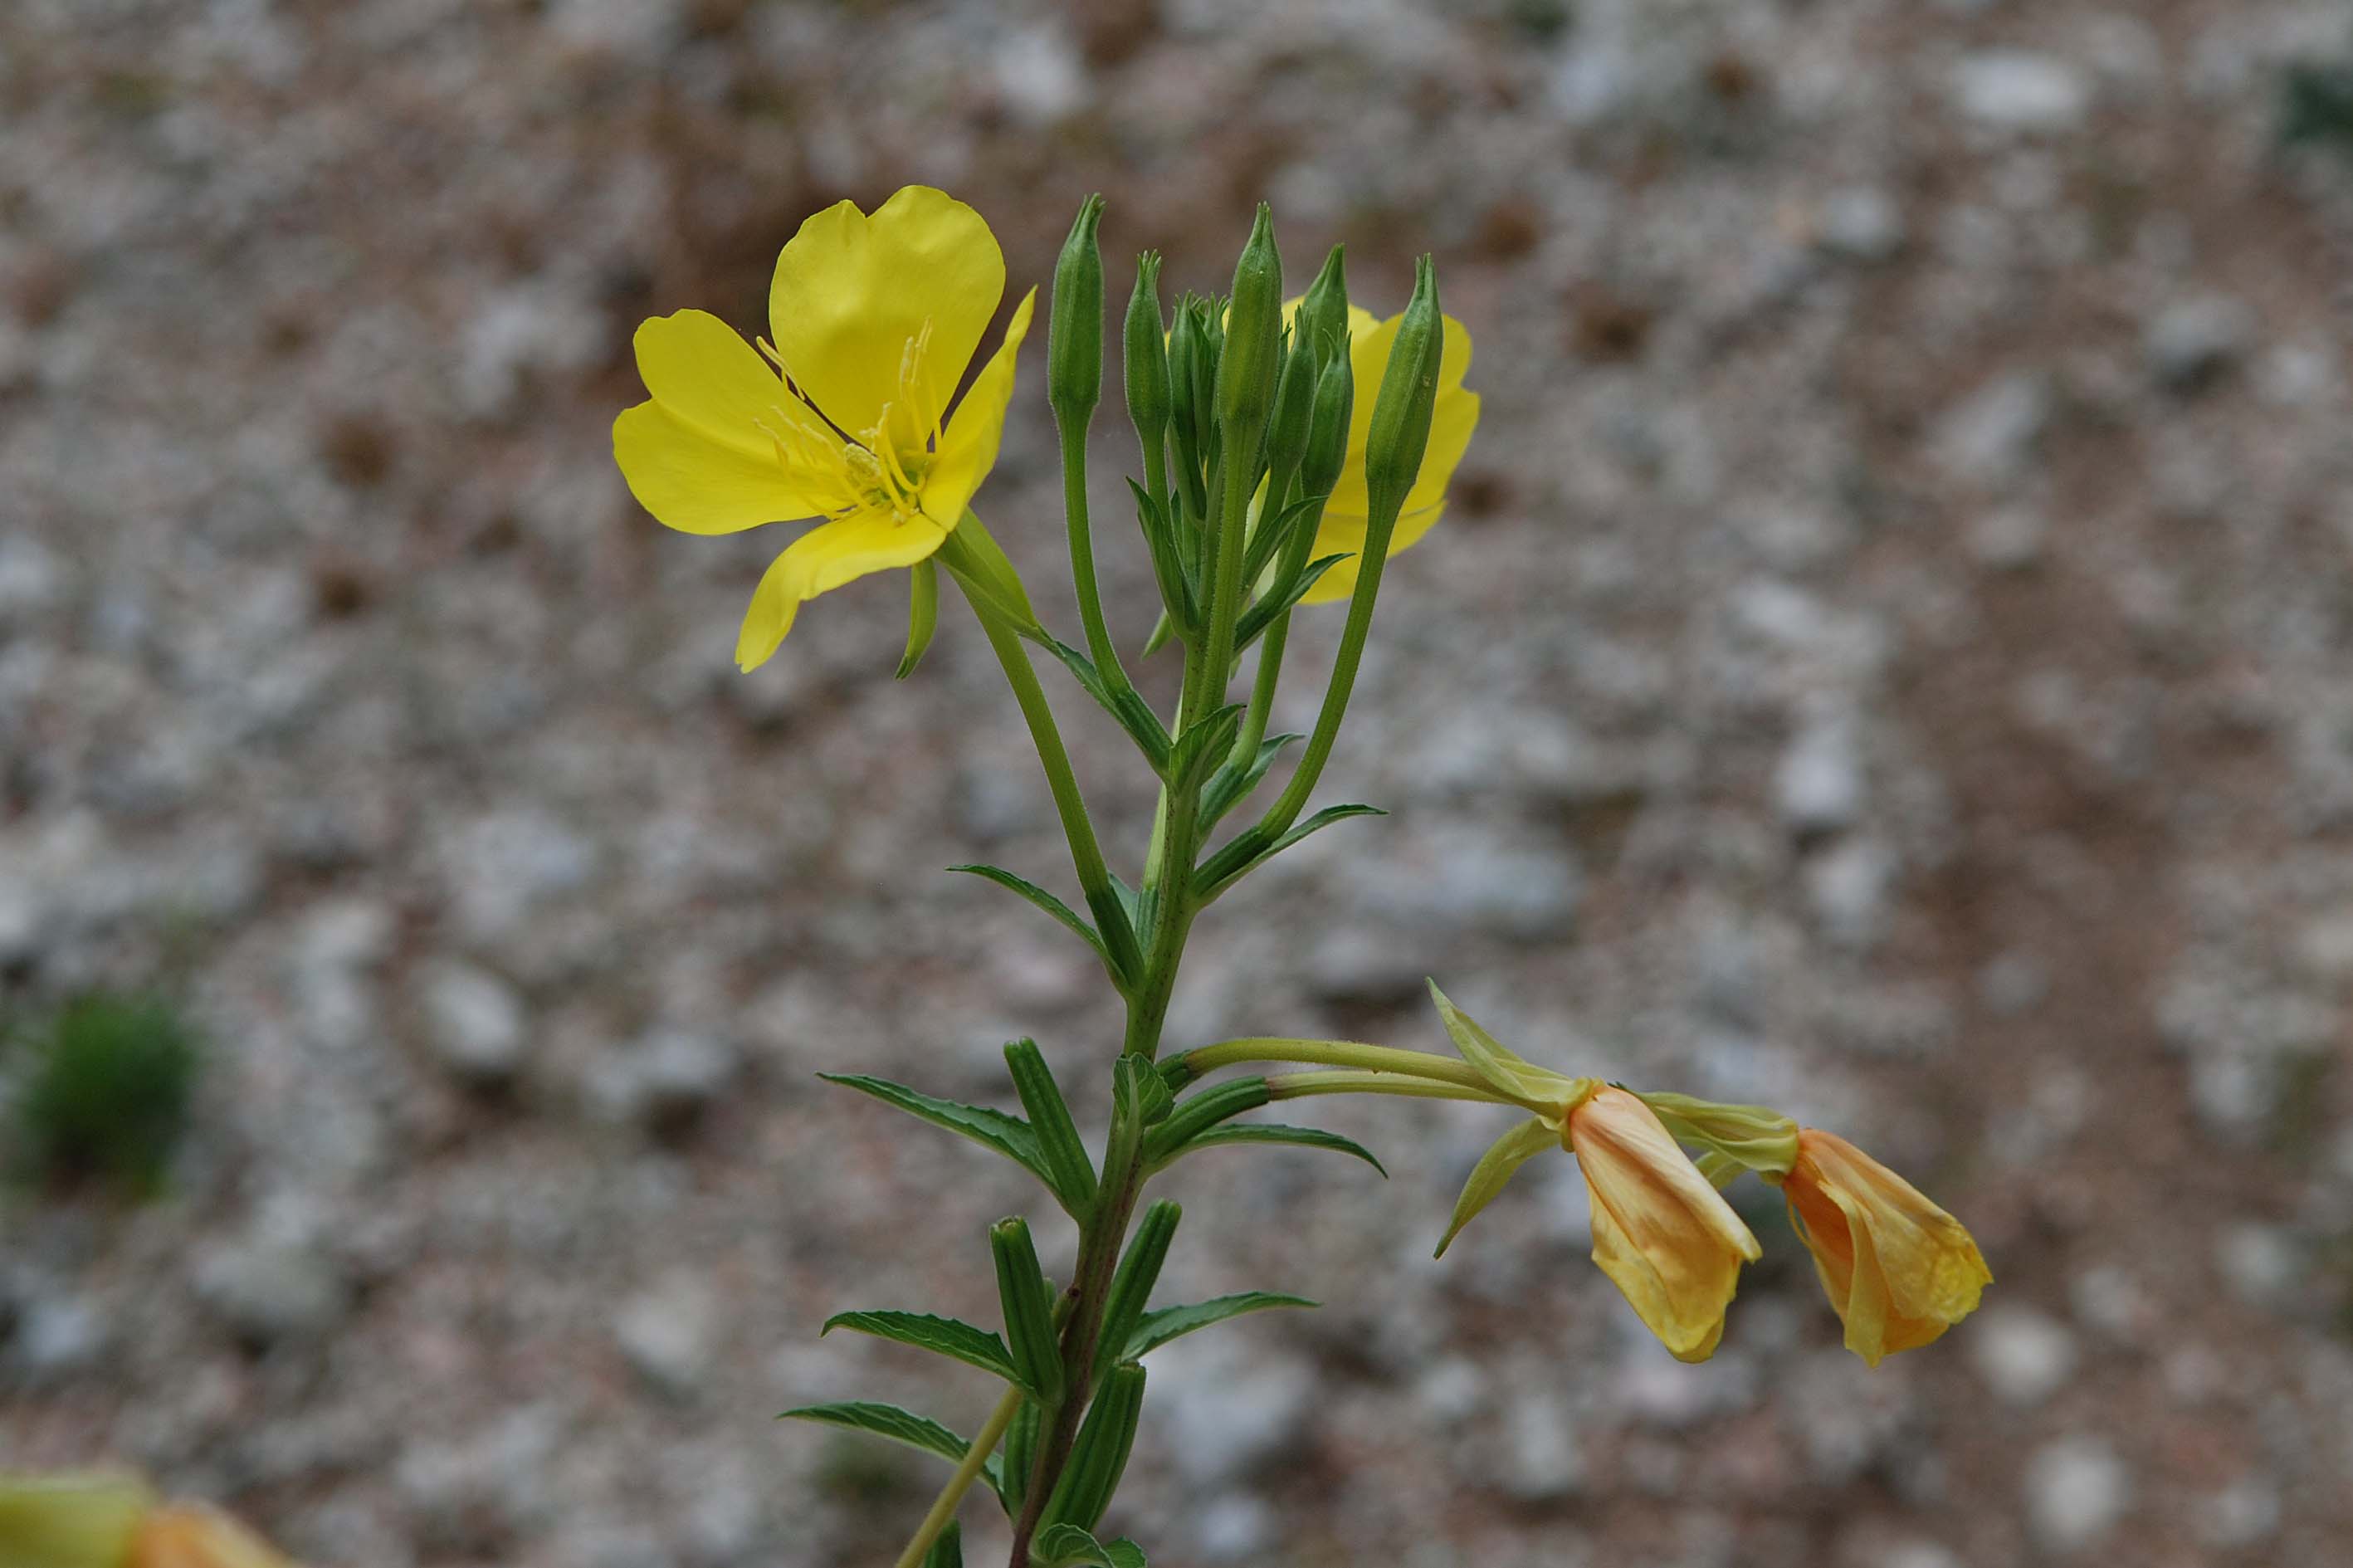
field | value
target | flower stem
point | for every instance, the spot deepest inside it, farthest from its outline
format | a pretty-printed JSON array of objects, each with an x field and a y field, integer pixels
[
  {"x": 1346, "y": 1054},
  {"x": 1273, "y": 640},
  {"x": 1298, "y": 1086},
  {"x": 1083, "y": 556},
  {"x": 943, "y": 1506}
]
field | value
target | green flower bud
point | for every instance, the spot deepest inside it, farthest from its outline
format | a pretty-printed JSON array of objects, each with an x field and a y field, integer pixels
[
  {"x": 1327, "y": 426},
  {"x": 1192, "y": 366},
  {"x": 1253, "y": 346},
  {"x": 1287, "y": 426},
  {"x": 1324, "y": 311},
  {"x": 1074, "y": 328},
  {"x": 1400, "y": 431},
  {"x": 1146, "y": 352}
]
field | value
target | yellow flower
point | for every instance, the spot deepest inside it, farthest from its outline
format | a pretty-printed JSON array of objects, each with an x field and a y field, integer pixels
[
  {"x": 875, "y": 320},
  {"x": 1346, "y": 515},
  {"x": 189, "y": 1536},
  {"x": 1899, "y": 1270},
  {"x": 1661, "y": 1230}
]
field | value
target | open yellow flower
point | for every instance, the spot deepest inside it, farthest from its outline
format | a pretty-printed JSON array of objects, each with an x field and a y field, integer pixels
[
  {"x": 1661, "y": 1230},
  {"x": 1348, "y": 515},
  {"x": 1899, "y": 1270},
  {"x": 846, "y": 419}
]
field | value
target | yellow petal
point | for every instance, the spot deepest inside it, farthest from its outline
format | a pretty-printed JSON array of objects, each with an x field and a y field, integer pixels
[
  {"x": 1661, "y": 1230},
  {"x": 825, "y": 557},
  {"x": 851, "y": 291},
  {"x": 968, "y": 448},
  {"x": 1368, "y": 355},
  {"x": 709, "y": 379},
  {"x": 694, "y": 485},
  {"x": 184, "y": 1536},
  {"x": 1898, "y": 1270}
]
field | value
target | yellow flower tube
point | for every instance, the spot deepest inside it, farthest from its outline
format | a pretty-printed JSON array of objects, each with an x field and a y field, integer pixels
[{"x": 875, "y": 319}]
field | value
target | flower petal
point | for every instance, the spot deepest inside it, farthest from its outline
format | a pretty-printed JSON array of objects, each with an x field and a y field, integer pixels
[
  {"x": 698, "y": 485},
  {"x": 825, "y": 557},
  {"x": 968, "y": 447},
  {"x": 850, "y": 290},
  {"x": 1338, "y": 534},
  {"x": 709, "y": 379}
]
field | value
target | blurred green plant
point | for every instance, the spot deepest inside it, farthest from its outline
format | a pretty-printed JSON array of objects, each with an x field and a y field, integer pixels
[
  {"x": 2315, "y": 104},
  {"x": 102, "y": 1093}
]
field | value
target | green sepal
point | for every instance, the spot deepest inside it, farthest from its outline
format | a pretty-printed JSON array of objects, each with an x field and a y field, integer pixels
[
  {"x": 947, "y": 1549},
  {"x": 1139, "y": 1271},
  {"x": 1503, "y": 1068},
  {"x": 900, "y": 1427},
  {"x": 1069, "y": 918},
  {"x": 1198, "y": 1115},
  {"x": 1028, "y": 1304},
  {"x": 980, "y": 565},
  {"x": 951, "y": 1337},
  {"x": 1067, "y": 1546},
  {"x": 1248, "y": 850},
  {"x": 1157, "y": 1328},
  {"x": 922, "y": 615},
  {"x": 1495, "y": 1167},
  {"x": 1007, "y": 1134},
  {"x": 1058, "y": 1136},
  {"x": 1125, "y": 704},
  {"x": 1279, "y": 601},
  {"x": 1276, "y": 1132},
  {"x": 1020, "y": 1456},
  {"x": 1231, "y": 785},
  {"x": 1099, "y": 1457}
]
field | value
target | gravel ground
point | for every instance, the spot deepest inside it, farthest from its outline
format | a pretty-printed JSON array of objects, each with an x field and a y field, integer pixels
[{"x": 1887, "y": 657}]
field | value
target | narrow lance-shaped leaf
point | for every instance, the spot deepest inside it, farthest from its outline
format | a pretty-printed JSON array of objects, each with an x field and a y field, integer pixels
[
  {"x": 1058, "y": 1137},
  {"x": 1250, "y": 849},
  {"x": 1008, "y": 1135},
  {"x": 1159, "y": 1328},
  {"x": 1495, "y": 1167},
  {"x": 950, "y": 1337},
  {"x": 898, "y": 1425},
  {"x": 1281, "y": 599},
  {"x": 1205, "y": 742},
  {"x": 1133, "y": 713},
  {"x": 1275, "y": 1132},
  {"x": 1231, "y": 785},
  {"x": 947, "y": 1550},
  {"x": 1029, "y": 1306},
  {"x": 1195, "y": 1116},
  {"x": 1067, "y": 1546},
  {"x": 1062, "y": 914}
]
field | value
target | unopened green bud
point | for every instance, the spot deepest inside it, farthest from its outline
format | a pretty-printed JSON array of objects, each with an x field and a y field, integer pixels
[
  {"x": 1146, "y": 347},
  {"x": 1099, "y": 1456},
  {"x": 1327, "y": 426},
  {"x": 1295, "y": 406},
  {"x": 1185, "y": 352},
  {"x": 1324, "y": 312},
  {"x": 1400, "y": 429},
  {"x": 1074, "y": 328},
  {"x": 1253, "y": 347}
]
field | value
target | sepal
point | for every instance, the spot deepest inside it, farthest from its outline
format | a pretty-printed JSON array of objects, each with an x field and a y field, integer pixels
[{"x": 1495, "y": 1169}]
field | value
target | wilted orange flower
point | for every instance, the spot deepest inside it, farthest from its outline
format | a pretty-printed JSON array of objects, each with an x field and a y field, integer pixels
[
  {"x": 1899, "y": 1270},
  {"x": 187, "y": 1536},
  {"x": 1661, "y": 1230}
]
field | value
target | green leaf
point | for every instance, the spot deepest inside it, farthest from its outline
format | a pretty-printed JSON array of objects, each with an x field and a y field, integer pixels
[
  {"x": 1231, "y": 785},
  {"x": 1495, "y": 1167},
  {"x": 1058, "y": 1134},
  {"x": 1123, "y": 1554},
  {"x": 1203, "y": 745},
  {"x": 1070, "y": 918},
  {"x": 1275, "y": 1132},
  {"x": 1178, "y": 594},
  {"x": 1028, "y": 1304},
  {"x": 1249, "y": 850},
  {"x": 1267, "y": 538},
  {"x": 1142, "y": 1096},
  {"x": 947, "y": 1548},
  {"x": 922, "y": 615},
  {"x": 1203, "y": 1111},
  {"x": 1139, "y": 1270},
  {"x": 1008, "y": 1135},
  {"x": 1170, "y": 1322},
  {"x": 1067, "y": 1546},
  {"x": 900, "y": 1427},
  {"x": 1099, "y": 1456},
  {"x": 1133, "y": 713},
  {"x": 1261, "y": 615},
  {"x": 952, "y": 1337}
]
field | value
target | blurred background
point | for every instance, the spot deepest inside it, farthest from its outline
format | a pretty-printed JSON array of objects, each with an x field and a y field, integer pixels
[{"x": 1887, "y": 656}]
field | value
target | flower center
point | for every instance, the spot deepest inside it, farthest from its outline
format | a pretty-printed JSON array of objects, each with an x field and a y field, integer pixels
[{"x": 879, "y": 468}]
